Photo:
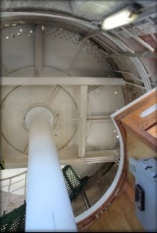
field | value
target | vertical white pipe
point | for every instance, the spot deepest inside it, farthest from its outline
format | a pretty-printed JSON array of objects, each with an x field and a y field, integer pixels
[{"x": 48, "y": 207}]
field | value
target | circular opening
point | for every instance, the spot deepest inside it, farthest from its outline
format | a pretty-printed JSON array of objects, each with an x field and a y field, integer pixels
[
  {"x": 39, "y": 111},
  {"x": 38, "y": 107}
]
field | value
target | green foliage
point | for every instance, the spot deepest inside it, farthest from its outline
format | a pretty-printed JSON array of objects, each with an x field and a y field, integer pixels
[{"x": 2, "y": 165}]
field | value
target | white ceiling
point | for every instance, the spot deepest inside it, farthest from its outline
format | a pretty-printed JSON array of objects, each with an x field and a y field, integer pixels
[{"x": 61, "y": 55}]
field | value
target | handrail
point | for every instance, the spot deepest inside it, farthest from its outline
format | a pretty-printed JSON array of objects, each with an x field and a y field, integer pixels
[
  {"x": 13, "y": 183},
  {"x": 17, "y": 189},
  {"x": 11, "y": 177},
  {"x": 12, "y": 192}
]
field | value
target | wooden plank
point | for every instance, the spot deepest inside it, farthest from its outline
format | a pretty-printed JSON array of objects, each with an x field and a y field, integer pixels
[
  {"x": 120, "y": 216},
  {"x": 142, "y": 122},
  {"x": 99, "y": 118},
  {"x": 82, "y": 121},
  {"x": 89, "y": 118},
  {"x": 153, "y": 131},
  {"x": 90, "y": 160},
  {"x": 149, "y": 97},
  {"x": 104, "y": 156},
  {"x": 91, "y": 157},
  {"x": 137, "y": 148},
  {"x": 75, "y": 81},
  {"x": 142, "y": 135},
  {"x": 130, "y": 118}
]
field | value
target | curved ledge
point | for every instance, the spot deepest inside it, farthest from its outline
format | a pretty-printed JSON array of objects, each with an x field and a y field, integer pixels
[{"x": 86, "y": 218}]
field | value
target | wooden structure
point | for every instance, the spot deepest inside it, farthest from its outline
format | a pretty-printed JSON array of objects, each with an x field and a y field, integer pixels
[
  {"x": 139, "y": 136},
  {"x": 136, "y": 118}
]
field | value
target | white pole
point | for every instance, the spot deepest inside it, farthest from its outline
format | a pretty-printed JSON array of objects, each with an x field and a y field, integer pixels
[{"x": 48, "y": 207}]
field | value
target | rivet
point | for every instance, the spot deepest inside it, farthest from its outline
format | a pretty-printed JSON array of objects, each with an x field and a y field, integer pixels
[{"x": 43, "y": 28}]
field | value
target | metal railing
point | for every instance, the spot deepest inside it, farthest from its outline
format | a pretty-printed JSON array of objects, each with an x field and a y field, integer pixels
[{"x": 13, "y": 192}]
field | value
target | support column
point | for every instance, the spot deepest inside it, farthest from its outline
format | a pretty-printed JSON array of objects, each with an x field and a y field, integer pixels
[{"x": 48, "y": 207}]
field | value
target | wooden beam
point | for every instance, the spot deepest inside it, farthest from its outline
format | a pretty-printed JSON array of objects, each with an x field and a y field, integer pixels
[
  {"x": 38, "y": 51},
  {"x": 89, "y": 118},
  {"x": 100, "y": 153},
  {"x": 76, "y": 81},
  {"x": 129, "y": 118},
  {"x": 99, "y": 118},
  {"x": 104, "y": 156},
  {"x": 90, "y": 160},
  {"x": 82, "y": 121}
]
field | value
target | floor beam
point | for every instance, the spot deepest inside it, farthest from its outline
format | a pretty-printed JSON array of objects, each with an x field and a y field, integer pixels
[{"x": 75, "y": 81}]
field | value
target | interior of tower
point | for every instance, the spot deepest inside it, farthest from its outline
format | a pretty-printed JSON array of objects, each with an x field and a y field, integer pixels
[{"x": 78, "y": 115}]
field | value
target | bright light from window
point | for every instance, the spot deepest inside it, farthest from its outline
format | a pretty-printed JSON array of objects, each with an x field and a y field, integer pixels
[{"x": 118, "y": 19}]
